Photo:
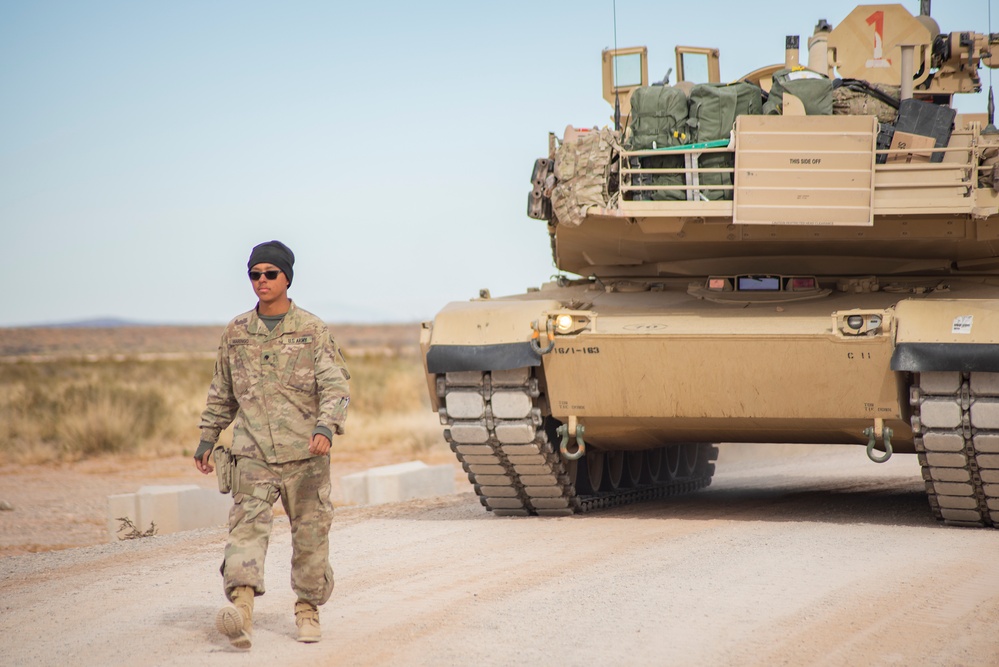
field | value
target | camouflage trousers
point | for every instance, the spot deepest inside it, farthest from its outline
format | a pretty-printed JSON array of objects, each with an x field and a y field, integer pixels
[{"x": 304, "y": 489}]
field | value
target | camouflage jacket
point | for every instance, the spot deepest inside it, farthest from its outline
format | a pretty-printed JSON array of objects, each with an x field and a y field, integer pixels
[{"x": 278, "y": 386}]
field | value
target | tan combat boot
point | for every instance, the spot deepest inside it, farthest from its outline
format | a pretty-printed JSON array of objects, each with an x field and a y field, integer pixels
[
  {"x": 307, "y": 620},
  {"x": 235, "y": 621}
]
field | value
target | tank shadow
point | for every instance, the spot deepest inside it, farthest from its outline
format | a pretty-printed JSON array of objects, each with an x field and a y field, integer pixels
[{"x": 902, "y": 504}]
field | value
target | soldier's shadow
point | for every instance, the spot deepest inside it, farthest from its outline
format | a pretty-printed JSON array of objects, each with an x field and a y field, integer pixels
[{"x": 199, "y": 621}]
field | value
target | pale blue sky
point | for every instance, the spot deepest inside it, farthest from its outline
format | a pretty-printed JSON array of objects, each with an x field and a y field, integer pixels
[{"x": 146, "y": 147}]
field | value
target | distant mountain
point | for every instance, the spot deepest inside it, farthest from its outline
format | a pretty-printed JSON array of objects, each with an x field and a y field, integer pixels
[{"x": 95, "y": 323}]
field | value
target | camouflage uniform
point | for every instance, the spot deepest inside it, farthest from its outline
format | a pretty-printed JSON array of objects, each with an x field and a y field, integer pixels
[{"x": 280, "y": 387}]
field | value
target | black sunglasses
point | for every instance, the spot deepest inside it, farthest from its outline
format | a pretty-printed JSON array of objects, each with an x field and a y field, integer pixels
[{"x": 270, "y": 275}]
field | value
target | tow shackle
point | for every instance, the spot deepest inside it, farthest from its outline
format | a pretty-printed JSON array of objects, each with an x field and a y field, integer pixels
[
  {"x": 564, "y": 448},
  {"x": 536, "y": 337},
  {"x": 872, "y": 434}
]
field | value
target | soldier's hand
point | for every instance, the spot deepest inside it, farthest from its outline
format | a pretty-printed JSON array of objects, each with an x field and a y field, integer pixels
[
  {"x": 203, "y": 458},
  {"x": 319, "y": 444}
]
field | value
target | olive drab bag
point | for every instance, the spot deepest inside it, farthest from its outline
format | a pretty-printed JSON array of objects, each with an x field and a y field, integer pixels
[
  {"x": 711, "y": 117},
  {"x": 714, "y": 107},
  {"x": 813, "y": 89},
  {"x": 658, "y": 120}
]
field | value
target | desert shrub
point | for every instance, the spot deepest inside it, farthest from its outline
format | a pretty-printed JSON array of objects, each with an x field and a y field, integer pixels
[
  {"x": 390, "y": 416},
  {"x": 72, "y": 409},
  {"x": 96, "y": 419},
  {"x": 393, "y": 436},
  {"x": 65, "y": 410},
  {"x": 381, "y": 384}
]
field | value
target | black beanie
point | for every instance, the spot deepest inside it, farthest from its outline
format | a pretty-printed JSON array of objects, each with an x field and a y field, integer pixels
[{"x": 276, "y": 253}]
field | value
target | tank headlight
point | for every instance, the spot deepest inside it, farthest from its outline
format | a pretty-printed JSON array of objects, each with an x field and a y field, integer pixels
[
  {"x": 564, "y": 324},
  {"x": 572, "y": 322},
  {"x": 854, "y": 323}
]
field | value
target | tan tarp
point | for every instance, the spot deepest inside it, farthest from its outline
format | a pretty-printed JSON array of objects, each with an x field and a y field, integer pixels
[
  {"x": 848, "y": 102},
  {"x": 582, "y": 170},
  {"x": 988, "y": 175}
]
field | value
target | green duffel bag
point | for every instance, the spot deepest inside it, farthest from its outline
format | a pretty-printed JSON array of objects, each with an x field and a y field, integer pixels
[
  {"x": 665, "y": 161},
  {"x": 714, "y": 107},
  {"x": 658, "y": 115},
  {"x": 715, "y": 161},
  {"x": 813, "y": 89},
  {"x": 658, "y": 120}
]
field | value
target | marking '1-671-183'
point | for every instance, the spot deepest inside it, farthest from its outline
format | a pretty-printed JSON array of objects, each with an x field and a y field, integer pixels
[{"x": 576, "y": 350}]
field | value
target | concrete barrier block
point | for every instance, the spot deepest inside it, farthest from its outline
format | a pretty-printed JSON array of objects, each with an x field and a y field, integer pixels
[
  {"x": 395, "y": 483},
  {"x": 203, "y": 508},
  {"x": 161, "y": 505},
  {"x": 170, "y": 508},
  {"x": 355, "y": 488}
]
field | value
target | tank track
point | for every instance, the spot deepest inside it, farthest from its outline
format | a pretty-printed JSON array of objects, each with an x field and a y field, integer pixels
[
  {"x": 497, "y": 431},
  {"x": 955, "y": 424}
]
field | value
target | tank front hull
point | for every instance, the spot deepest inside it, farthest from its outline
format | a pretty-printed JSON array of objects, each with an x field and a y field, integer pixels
[
  {"x": 661, "y": 366},
  {"x": 644, "y": 390}
]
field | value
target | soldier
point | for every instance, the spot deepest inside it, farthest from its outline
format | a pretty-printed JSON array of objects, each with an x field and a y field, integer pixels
[{"x": 281, "y": 377}]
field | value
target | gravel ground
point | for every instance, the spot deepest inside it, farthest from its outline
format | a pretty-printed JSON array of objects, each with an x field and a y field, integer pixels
[
  {"x": 792, "y": 557},
  {"x": 65, "y": 505}
]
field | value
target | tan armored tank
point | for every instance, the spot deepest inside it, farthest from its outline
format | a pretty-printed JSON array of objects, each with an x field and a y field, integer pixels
[{"x": 808, "y": 255}]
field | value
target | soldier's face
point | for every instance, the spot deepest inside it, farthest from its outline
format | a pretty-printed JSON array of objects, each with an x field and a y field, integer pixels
[{"x": 267, "y": 290}]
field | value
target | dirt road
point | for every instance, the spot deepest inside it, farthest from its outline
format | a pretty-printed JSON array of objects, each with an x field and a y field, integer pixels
[{"x": 788, "y": 558}]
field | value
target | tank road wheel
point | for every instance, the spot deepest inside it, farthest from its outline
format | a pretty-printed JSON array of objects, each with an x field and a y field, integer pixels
[
  {"x": 690, "y": 456},
  {"x": 615, "y": 471},
  {"x": 587, "y": 473},
  {"x": 672, "y": 461},
  {"x": 607, "y": 479},
  {"x": 955, "y": 421},
  {"x": 655, "y": 466},
  {"x": 594, "y": 464},
  {"x": 634, "y": 465}
]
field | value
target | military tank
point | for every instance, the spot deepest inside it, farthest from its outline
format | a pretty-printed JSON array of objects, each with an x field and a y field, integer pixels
[{"x": 809, "y": 254}]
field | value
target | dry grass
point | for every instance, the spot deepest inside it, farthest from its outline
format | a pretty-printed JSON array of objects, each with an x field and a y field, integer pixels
[
  {"x": 146, "y": 401},
  {"x": 72, "y": 409},
  {"x": 390, "y": 409}
]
